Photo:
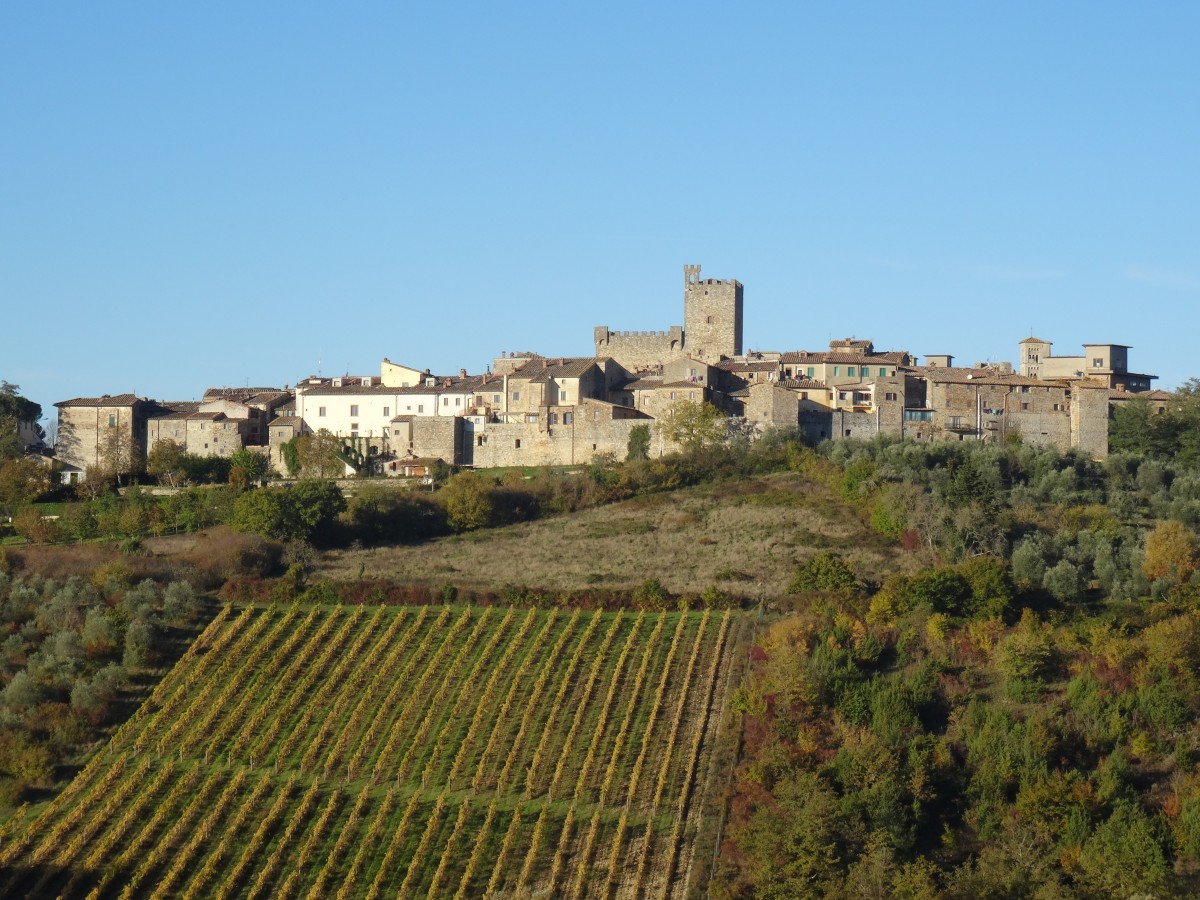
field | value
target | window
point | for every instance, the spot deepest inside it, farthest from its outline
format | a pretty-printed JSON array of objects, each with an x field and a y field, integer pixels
[
  {"x": 568, "y": 418},
  {"x": 889, "y": 395},
  {"x": 420, "y": 407},
  {"x": 850, "y": 371},
  {"x": 672, "y": 395},
  {"x": 495, "y": 398},
  {"x": 458, "y": 401},
  {"x": 445, "y": 401},
  {"x": 836, "y": 371},
  {"x": 882, "y": 371},
  {"x": 596, "y": 414},
  {"x": 516, "y": 396},
  {"x": 320, "y": 411},
  {"x": 1097, "y": 363},
  {"x": 810, "y": 371},
  {"x": 354, "y": 409},
  {"x": 517, "y": 444},
  {"x": 562, "y": 396},
  {"x": 552, "y": 419},
  {"x": 918, "y": 415},
  {"x": 708, "y": 320},
  {"x": 691, "y": 395},
  {"x": 479, "y": 441},
  {"x": 531, "y": 417},
  {"x": 955, "y": 421},
  {"x": 112, "y": 421},
  {"x": 1025, "y": 407},
  {"x": 804, "y": 395},
  {"x": 387, "y": 411}
]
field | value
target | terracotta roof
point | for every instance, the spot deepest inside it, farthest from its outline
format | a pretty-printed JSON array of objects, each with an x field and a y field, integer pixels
[
  {"x": 1032, "y": 340},
  {"x": 733, "y": 365},
  {"x": 1149, "y": 395},
  {"x": 892, "y": 357},
  {"x": 983, "y": 376},
  {"x": 106, "y": 400},
  {"x": 292, "y": 421},
  {"x": 240, "y": 393},
  {"x": 804, "y": 384},
  {"x": 560, "y": 367},
  {"x": 647, "y": 383}
]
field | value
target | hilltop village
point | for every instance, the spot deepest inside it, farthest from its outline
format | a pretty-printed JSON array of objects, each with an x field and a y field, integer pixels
[{"x": 530, "y": 409}]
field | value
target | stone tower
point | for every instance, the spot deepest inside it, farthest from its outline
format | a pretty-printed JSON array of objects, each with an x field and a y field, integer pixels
[{"x": 712, "y": 316}]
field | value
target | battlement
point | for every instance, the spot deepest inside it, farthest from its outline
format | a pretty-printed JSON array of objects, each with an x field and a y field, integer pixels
[{"x": 732, "y": 282}]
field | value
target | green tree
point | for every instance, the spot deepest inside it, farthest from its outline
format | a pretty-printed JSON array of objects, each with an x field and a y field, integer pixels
[
  {"x": 639, "y": 443},
  {"x": 694, "y": 426},
  {"x": 1170, "y": 552},
  {"x": 22, "y": 480},
  {"x": 824, "y": 572},
  {"x": 468, "y": 502},
  {"x": 165, "y": 462},
  {"x": 248, "y": 467},
  {"x": 15, "y": 410},
  {"x": 318, "y": 455}
]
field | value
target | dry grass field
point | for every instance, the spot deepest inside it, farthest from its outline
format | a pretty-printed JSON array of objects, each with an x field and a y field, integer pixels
[{"x": 746, "y": 537}]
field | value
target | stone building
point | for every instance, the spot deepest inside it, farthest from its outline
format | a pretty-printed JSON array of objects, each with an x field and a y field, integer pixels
[
  {"x": 107, "y": 431},
  {"x": 1100, "y": 362},
  {"x": 712, "y": 328}
]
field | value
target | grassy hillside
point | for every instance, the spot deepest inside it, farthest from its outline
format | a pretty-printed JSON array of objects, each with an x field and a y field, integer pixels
[
  {"x": 746, "y": 536},
  {"x": 502, "y": 752}
]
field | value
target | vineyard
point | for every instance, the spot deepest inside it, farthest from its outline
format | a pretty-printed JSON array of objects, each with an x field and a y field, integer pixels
[{"x": 430, "y": 751}]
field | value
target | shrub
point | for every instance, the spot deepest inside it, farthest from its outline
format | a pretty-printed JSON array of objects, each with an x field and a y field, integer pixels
[
  {"x": 468, "y": 502},
  {"x": 651, "y": 595},
  {"x": 824, "y": 572}
]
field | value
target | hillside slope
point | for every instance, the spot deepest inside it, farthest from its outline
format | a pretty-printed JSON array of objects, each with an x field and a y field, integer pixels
[
  {"x": 745, "y": 536},
  {"x": 516, "y": 751}
]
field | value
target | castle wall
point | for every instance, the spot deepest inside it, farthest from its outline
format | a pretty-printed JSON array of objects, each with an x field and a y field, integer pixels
[
  {"x": 635, "y": 350},
  {"x": 527, "y": 444}
]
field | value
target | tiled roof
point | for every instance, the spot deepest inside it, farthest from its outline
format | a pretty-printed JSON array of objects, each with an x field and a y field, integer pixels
[
  {"x": 892, "y": 357},
  {"x": 1032, "y": 340},
  {"x": 561, "y": 367},
  {"x": 292, "y": 421},
  {"x": 240, "y": 393},
  {"x": 982, "y": 376},
  {"x": 648, "y": 383},
  {"x": 803, "y": 383},
  {"x": 106, "y": 400},
  {"x": 454, "y": 385},
  {"x": 175, "y": 409},
  {"x": 733, "y": 365}
]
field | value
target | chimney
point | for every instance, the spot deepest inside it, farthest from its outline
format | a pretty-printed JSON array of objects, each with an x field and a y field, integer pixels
[{"x": 462, "y": 373}]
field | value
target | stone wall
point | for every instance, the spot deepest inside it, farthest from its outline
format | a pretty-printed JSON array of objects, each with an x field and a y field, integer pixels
[
  {"x": 822, "y": 425},
  {"x": 521, "y": 444},
  {"x": 637, "y": 350},
  {"x": 1089, "y": 420}
]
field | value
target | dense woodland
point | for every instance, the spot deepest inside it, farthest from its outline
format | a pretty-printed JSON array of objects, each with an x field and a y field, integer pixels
[{"x": 1017, "y": 718}]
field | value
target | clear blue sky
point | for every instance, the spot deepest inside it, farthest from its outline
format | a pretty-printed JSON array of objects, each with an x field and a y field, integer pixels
[{"x": 223, "y": 193}]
